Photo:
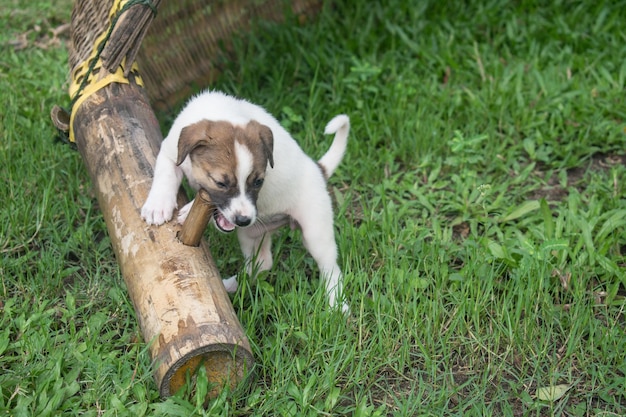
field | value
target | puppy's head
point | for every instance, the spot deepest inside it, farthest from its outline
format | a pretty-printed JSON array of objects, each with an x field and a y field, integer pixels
[{"x": 229, "y": 162}]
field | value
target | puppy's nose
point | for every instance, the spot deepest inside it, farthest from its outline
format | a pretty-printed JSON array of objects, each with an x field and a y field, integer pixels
[{"x": 242, "y": 220}]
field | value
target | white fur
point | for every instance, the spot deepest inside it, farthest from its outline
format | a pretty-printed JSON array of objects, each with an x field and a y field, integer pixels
[
  {"x": 241, "y": 204},
  {"x": 339, "y": 124},
  {"x": 295, "y": 186}
]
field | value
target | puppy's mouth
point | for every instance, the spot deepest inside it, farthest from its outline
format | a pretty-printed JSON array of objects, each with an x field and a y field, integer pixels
[{"x": 222, "y": 223}]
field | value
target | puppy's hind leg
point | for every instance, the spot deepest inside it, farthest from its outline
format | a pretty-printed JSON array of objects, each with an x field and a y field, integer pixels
[{"x": 319, "y": 239}]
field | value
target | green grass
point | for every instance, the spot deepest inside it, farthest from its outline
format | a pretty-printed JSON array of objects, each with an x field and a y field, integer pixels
[{"x": 480, "y": 219}]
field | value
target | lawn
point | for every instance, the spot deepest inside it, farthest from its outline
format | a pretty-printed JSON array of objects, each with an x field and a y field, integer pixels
[{"x": 480, "y": 217}]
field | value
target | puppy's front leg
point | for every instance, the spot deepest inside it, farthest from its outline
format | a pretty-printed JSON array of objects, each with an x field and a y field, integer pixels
[
  {"x": 161, "y": 200},
  {"x": 254, "y": 244}
]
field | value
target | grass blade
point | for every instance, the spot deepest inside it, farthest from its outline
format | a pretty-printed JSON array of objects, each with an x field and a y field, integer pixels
[{"x": 521, "y": 210}]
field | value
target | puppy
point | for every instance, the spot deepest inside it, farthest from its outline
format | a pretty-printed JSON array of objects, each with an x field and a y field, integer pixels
[{"x": 257, "y": 176}]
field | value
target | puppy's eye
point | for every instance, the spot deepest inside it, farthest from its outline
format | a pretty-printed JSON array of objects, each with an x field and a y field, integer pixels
[
  {"x": 257, "y": 183},
  {"x": 221, "y": 184}
]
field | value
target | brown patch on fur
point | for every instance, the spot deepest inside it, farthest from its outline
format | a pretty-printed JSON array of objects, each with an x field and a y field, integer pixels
[
  {"x": 219, "y": 137},
  {"x": 256, "y": 133},
  {"x": 205, "y": 133},
  {"x": 211, "y": 147}
]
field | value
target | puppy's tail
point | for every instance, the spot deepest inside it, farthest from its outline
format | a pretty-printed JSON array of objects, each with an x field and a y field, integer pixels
[{"x": 340, "y": 126}]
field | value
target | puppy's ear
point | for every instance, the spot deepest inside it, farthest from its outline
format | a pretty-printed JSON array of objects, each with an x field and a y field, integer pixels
[
  {"x": 266, "y": 137},
  {"x": 191, "y": 137}
]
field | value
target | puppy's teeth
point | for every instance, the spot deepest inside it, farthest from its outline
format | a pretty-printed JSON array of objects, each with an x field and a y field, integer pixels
[{"x": 224, "y": 224}]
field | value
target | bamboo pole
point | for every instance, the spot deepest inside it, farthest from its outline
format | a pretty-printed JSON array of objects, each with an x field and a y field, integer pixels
[{"x": 182, "y": 307}]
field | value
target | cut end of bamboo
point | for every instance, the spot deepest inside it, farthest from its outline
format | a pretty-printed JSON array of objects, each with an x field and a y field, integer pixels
[{"x": 225, "y": 365}]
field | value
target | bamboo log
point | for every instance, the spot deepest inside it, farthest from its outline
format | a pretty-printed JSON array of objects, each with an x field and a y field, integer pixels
[{"x": 181, "y": 305}]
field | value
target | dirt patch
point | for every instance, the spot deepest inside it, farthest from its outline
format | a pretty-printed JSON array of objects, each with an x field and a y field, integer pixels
[
  {"x": 554, "y": 191},
  {"x": 45, "y": 36}
]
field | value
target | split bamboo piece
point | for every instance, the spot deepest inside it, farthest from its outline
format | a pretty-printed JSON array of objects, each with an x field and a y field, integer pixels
[
  {"x": 182, "y": 307},
  {"x": 197, "y": 220}
]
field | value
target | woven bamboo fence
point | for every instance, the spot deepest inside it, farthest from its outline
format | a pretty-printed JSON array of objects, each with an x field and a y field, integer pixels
[{"x": 126, "y": 58}]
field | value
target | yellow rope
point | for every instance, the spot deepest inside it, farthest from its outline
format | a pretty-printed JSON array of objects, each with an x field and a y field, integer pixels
[{"x": 79, "y": 90}]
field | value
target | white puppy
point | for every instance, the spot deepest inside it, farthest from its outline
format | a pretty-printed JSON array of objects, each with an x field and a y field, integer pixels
[{"x": 256, "y": 175}]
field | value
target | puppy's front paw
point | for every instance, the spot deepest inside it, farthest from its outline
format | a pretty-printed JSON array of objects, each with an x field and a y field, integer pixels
[
  {"x": 184, "y": 212},
  {"x": 231, "y": 284},
  {"x": 158, "y": 210}
]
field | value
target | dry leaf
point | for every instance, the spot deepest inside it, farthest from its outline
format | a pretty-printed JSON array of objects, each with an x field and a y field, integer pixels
[{"x": 552, "y": 393}]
